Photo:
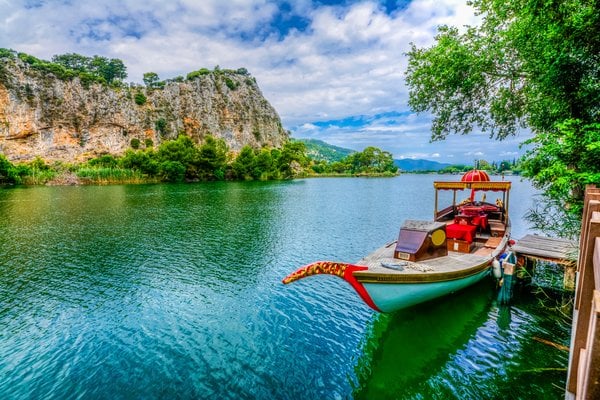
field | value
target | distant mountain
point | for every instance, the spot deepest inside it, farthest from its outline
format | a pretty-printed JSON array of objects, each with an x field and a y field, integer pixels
[
  {"x": 410, "y": 165},
  {"x": 319, "y": 150}
]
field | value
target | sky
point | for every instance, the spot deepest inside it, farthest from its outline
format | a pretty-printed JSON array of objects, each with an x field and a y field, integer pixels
[{"x": 333, "y": 69}]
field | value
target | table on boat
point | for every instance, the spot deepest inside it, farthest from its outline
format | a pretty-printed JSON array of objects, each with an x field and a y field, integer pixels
[
  {"x": 477, "y": 220},
  {"x": 460, "y": 231}
]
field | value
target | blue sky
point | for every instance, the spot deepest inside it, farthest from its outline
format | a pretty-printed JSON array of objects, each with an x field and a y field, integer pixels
[{"x": 333, "y": 69}]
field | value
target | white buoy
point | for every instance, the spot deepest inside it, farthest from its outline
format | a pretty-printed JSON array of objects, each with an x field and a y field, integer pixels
[{"x": 496, "y": 270}]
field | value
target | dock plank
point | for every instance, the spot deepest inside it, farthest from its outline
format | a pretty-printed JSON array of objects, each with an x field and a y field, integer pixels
[{"x": 559, "y": 250}]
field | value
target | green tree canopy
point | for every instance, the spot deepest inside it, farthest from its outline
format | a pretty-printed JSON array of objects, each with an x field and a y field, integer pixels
[
  {"x": 8, "y": 172},
  {"x": 110, "y": 70},
  {"x": 244, "y": 164},
  {"x": 529, "y": 63},
  {"x": 73, "y": 61},
  {"x": 291, "y": 158},
  {"x": 212, "y": 158},
  {"x": 151, "y": 79}
]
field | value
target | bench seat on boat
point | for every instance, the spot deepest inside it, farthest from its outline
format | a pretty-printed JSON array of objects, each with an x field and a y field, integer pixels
[
  {"x": 497, "y": 228},
  {"x": 493, "y": 242}
]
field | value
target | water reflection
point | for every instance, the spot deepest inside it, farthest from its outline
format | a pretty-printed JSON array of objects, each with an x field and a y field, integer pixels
[
  {"x": 408, "y": 347},
  {"x": 465, "y": 347}
]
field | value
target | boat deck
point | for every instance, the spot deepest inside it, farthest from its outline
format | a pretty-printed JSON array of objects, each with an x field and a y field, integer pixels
[
  {"x": 382, "y": 262},
  {"x": 483, "y": 245}
]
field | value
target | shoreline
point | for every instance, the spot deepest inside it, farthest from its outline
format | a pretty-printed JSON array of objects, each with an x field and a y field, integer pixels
[{"x": 69, "y": 178}]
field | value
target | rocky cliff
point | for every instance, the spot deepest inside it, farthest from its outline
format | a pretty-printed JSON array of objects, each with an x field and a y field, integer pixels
[{"x": 69, "y": 120}]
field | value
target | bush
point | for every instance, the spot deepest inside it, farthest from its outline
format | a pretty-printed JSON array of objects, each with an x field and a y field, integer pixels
[
  {"x": 143, "y": 161},
  {"x": 37, "y": 172},
  {"x": 192, "y": 75},
  {"x": 8, "y": 53},
  {"x": 172, "y": 171},
  {"x": 195, "y": 74},
  {"x": 106, "y": 160},
  {"x": 231, "y": 84},
  {"x": 161, "y": 126},
  {"x": 135, "y": 143},
  {"x": 28, "y": 58},
  {"x": 87, "y": 79},
  {"x": 8, "y": 172},
  {"x": 140, "y": 99}
]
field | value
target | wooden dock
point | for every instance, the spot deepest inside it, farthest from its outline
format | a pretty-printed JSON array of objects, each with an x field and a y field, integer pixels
[
  {"x": 561, "y": 252},
  {"x": 545, "y": 248},
  {"x": 583, "y": 379}
]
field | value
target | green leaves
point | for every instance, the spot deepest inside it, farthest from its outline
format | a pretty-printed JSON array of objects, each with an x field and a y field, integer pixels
[
  {"x": 371, "y": 160},
  {"x": 151, "y": 79},
  {"x": 564, "y": 161},
  {"x": 528, "y": 64},
  {"x": 8, "y": 172},
  {"x": 465, "y": 82},
  {"x": 102, "y": 68}
]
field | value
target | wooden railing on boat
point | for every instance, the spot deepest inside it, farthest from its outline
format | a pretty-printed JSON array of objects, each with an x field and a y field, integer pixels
[
  {"x": 446, "y": 213},
  {"x": 583, "y": 379}
]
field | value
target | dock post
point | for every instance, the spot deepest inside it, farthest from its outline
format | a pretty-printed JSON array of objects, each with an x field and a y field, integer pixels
[{"x": 583, "y": 376}]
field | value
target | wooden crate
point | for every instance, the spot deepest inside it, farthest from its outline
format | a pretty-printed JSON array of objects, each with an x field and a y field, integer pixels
[{"x": 461, "y": 246}]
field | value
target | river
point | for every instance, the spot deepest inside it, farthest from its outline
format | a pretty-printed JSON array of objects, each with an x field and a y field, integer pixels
[{"x": 174, "y": 291}]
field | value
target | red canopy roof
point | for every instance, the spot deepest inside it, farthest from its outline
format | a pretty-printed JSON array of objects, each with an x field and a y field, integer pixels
[{"x": 475, "y": 175}]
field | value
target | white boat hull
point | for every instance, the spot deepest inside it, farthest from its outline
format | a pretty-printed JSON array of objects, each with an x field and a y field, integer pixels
[{"x": 389, "y": 297}]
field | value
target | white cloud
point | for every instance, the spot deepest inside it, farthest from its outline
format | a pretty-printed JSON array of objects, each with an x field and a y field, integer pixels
[
  {"x": 348, "y": 61},
  {"x": 309, "y": 127}
]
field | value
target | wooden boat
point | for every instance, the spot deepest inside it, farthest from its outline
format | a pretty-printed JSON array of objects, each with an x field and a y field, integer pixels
[{"x": 434, "y": 258}]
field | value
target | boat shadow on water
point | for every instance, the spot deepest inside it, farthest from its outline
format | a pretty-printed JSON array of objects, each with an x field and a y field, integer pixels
[{"x": 404, "y": 349}]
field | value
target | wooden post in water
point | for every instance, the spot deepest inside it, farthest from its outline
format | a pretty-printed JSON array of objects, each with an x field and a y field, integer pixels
[{"x": 583, "y": 377}]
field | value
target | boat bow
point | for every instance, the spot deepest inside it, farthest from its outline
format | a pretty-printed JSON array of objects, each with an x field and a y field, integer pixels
[{"x": 342, "y": 270}]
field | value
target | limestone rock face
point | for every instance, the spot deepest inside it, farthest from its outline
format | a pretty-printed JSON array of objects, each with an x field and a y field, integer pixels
[{"x": 67, "y": 120}]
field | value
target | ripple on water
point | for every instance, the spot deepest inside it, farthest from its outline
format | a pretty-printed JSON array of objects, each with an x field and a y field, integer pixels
[{"x": 174, "y": 291}]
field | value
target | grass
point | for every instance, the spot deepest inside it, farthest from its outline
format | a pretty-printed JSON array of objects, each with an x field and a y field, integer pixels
[
  {"x": 110, "y": 175},
  {"x": 39, "y": 177}
]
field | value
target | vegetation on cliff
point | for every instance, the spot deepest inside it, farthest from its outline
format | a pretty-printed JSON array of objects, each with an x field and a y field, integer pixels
[
  {"x": 182, "y": 160},
  {"x": 89, "y": 70},
  {"x": 528, "y": 64},
  {"x": 110, "y": 71}
]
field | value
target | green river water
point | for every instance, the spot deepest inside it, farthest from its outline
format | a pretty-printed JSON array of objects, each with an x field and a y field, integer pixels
[{"x": 174, "y": 292}]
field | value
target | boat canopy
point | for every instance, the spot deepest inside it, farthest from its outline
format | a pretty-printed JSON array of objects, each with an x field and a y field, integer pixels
[
  {"x": 500, "y": 186},
  {"x": 474, "y": 180}
]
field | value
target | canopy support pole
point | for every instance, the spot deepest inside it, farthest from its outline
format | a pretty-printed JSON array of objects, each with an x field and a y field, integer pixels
[{"x": 435, "y": 207}]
